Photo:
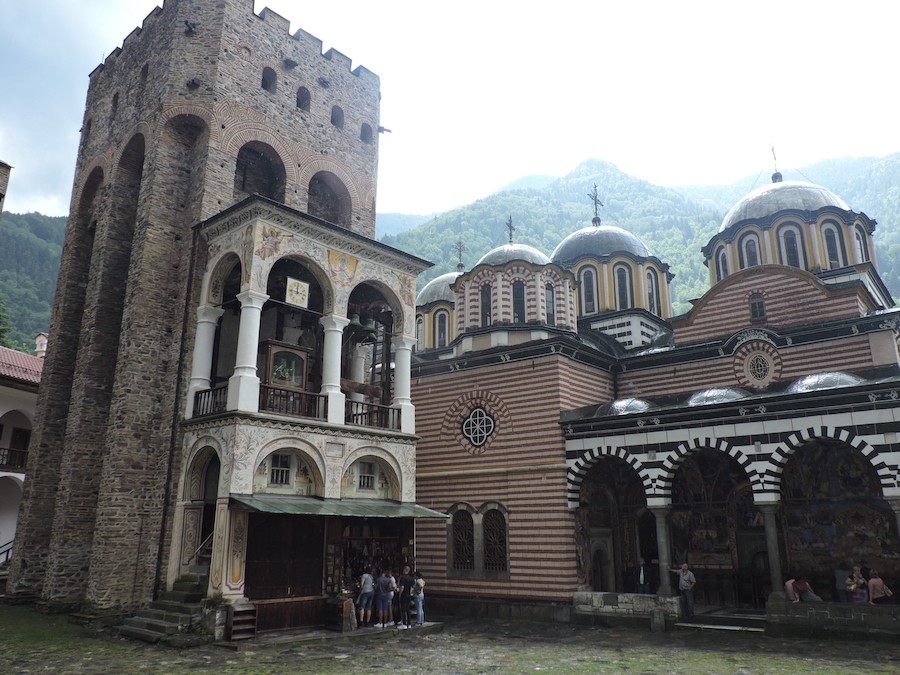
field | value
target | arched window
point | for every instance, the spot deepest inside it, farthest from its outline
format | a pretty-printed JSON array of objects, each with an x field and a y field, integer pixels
[
  {"x": 441, "y": 321},
  {"x": 463, "y": 541},
  {"x": 749, "y": 250},
  {"x": 790, "y": 241},
  {"x": 624, "y": 290},
  {"x": 518, "y": 301},
  {"x": 757, "y": 307},
  {"x": 269, "y": 80},
  {"x": 337, "y": 117},
  {"x": 303, "y": 98},
  {"x": 653, "y": 303},
  {"x": 494, "y": 526},
  {"x": 834, "y": 253},
  {"x": 486, "y": 305},
  {"x": 550, "y": 302},
  {"x": 329, "y": 199},
  {"x": 420, "y": 333},
  {"x": 862, "y": 247},
  {"x": 365, "y": 133},
  {"x": 588, "y": 291},
  {"x": 259, "y": 170},
  {"x": 721, "y": 264}
]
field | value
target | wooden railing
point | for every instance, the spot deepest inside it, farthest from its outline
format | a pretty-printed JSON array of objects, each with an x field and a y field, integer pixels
[
  {"x": 372, "y": 415},
  {"x": 6, "y": 551},
  {"x": 12, "y": 459},
  {"x": 210, "y": 401},
  {"x": 291, "y": 402}
]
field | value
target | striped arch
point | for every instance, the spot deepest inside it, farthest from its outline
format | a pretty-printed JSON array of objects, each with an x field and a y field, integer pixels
[
  {"x": 316, "y": 164},
  {"x": 578, "y": 469},
  {"x": 201, "y": 112},
  {"x": 663, "y": 484},
  {"x": 242, "y": 133},
  {"x": 886, "y": 474}
]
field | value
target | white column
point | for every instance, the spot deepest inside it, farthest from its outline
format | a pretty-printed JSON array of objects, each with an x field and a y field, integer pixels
[
  {"x": 243, "y": 386},
  {"x": 331, "y": 366},
  {"x": 207, "y": 320},
  {"x": 402, "y": 357},
  {"x": 358, "y": 368}
]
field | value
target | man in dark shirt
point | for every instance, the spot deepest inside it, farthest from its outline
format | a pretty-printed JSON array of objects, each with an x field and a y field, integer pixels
[{"x": 406, "y": 586}]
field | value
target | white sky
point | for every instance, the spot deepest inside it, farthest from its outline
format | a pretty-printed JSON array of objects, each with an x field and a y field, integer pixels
[{"x": 478, "y": 94}]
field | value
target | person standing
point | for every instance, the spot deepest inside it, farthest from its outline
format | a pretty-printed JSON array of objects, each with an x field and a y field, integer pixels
[
  {"x": 386, "y": 585},
  {"x": 419, "y": 598},
  {"x": 857, "y": 587},
  {"x": 364, "y": 601},
  {"x": 406, "y": 587},
  {"x": 642, "y": 577},
  {"x": 686, "y": 583}
]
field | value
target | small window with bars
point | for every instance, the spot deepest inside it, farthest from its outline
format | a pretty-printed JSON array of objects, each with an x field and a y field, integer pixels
[
  {"x": 366, "y": 476},
  {"x": 280, "y": 470}
]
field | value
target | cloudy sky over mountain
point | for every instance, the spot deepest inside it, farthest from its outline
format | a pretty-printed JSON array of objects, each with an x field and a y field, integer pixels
[{"x": 478, "y": 94}]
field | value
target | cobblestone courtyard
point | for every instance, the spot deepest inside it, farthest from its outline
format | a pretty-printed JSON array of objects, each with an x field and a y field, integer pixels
[{"x": 35, "y": 643}]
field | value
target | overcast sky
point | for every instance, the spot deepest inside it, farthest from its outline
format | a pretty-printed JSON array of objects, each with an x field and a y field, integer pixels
[{"x": 478, "y": 94}]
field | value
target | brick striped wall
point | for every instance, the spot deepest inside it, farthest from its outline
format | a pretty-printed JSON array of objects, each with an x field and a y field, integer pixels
[
  {"x": 792, "y": 298},
  {"x": 522, "y": 467}
]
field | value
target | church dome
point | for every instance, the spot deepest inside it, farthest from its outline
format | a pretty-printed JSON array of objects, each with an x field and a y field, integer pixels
[
  {"x": 827, "y": 380},
  {"x": 624, "y": 406},
  {"x": 438, "y": 289},
  {"x": 598, "y": 241},
  {"x": 716, "y": 395},
  {"x": 508, "y": 252},
  {"x": 780, "y": 196}
]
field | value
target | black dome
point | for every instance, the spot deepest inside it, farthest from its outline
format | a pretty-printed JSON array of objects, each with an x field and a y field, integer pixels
[{"x": 600, "y": 241}]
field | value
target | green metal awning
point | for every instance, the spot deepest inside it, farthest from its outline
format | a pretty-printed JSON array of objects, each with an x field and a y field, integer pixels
[{"x": 310, "y": 506}]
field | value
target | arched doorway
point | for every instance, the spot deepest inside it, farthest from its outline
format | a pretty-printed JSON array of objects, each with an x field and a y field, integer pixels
[
  {"x": 835, "y": 515},
  {"x": 613, "y": 508},
  {"x": 716, "y": 527}
]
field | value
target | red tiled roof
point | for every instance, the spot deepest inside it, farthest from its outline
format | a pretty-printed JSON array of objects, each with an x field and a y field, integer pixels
[{"x": 20, "y": 366}]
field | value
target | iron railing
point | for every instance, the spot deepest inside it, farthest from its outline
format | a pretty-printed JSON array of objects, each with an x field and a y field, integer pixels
[
  {"x": 211, "y": 401},
  {"x": 293, "y": 403},
  {"x": 372, "y": 415},
  {"x": 12, "y": 459}
]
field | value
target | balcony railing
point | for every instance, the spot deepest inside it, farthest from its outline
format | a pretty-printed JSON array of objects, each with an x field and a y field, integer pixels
[
  {"x": 291, "y": 402},
  {"x": 12, "y": 459},
  {"x": 372, "y": 415},
  {"x": 211, "y": 401}
]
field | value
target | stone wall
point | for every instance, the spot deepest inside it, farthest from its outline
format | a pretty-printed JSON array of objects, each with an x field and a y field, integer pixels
[
  {"x": 627, "y": 608},
  {"x": 841, "y": 619}
]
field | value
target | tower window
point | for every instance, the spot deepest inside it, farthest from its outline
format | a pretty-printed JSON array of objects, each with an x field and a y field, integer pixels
[
  {"x": 832, "y": 249},
  {"x": 518, "y": 301},
  {"x": 337, "y": 117},
  {"x": 269, "y": 80},
  {"x": 550, "y": 301},
  {"x": 653, "y": 305},
  {"x": 624, "y": 294},
  {"x": 862, "y": 248},
  {"x": 486, "y": 305},
  {"x": 721, "y": 264},
  {"x": 115, "y": 106},
  {"x": 365, "y": 133},
  {"x": 588, "y": 292},
  {"x": 440, "y": 329},
  {"x": 303, "y": 98}
]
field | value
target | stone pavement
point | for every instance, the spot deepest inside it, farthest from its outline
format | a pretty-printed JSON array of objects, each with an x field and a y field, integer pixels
[{"x": 463, "y": 647}]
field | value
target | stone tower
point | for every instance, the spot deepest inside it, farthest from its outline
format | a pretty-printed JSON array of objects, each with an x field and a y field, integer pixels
[{"x": 204, "y": 105}]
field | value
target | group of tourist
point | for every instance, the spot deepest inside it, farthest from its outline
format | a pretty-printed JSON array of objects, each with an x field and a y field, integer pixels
[
  {"x": 859, "y": 585},
  {"x": 392, "y": 599}
]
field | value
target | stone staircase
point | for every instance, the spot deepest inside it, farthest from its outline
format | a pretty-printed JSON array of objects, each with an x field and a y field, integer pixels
[{"x": 175, "y": 614}]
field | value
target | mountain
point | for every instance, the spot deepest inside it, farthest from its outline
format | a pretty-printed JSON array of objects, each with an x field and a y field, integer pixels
[
  {"x": 674, "y": 222},
  {"x": 30, "y": 249}
]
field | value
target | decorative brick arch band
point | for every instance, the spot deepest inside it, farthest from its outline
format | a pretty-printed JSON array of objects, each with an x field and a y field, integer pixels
[
  {"x": 579, "y": 468},
  {"x": 249, "y": 132},
  {"x": 663, "y": 482},
  {"x": 887, "y": 475}
]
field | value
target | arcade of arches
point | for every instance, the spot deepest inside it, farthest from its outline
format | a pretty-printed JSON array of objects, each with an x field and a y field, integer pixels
[{"x": 831, "y": 514}]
